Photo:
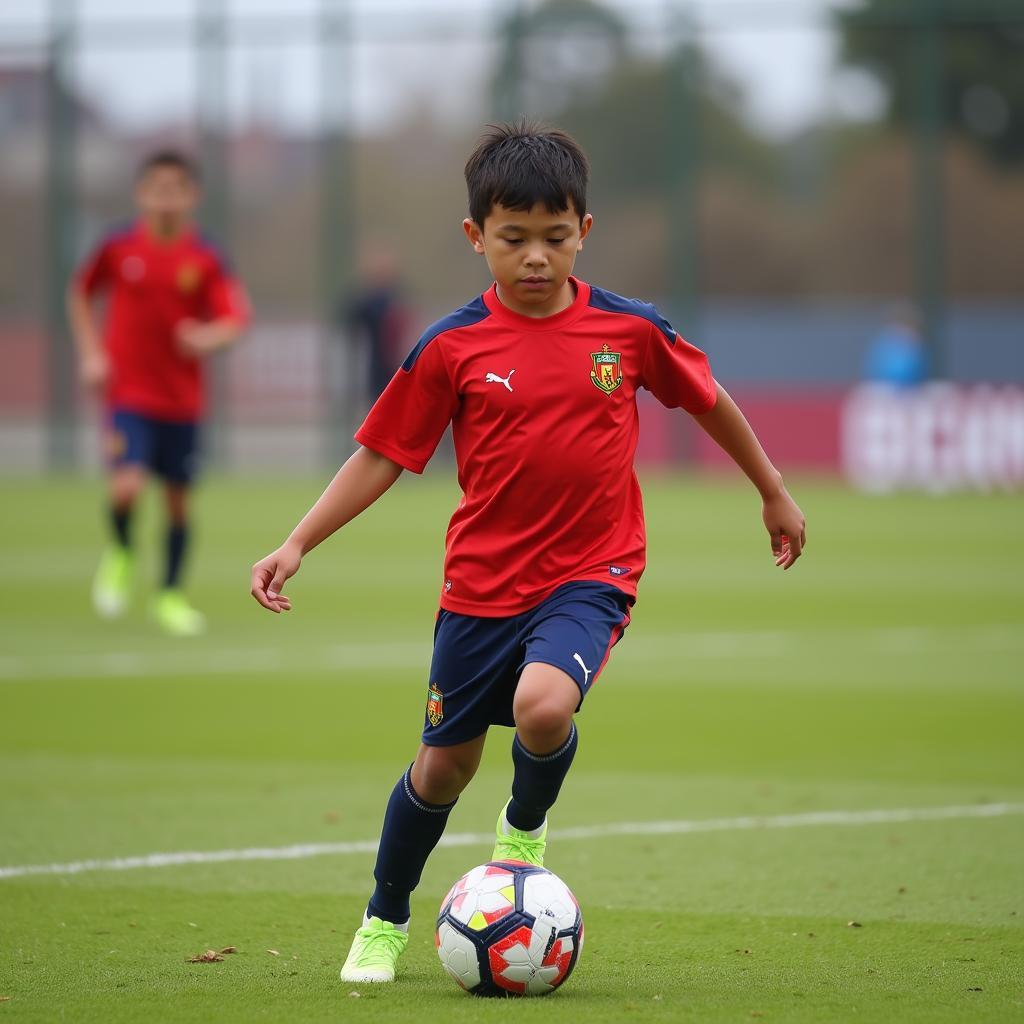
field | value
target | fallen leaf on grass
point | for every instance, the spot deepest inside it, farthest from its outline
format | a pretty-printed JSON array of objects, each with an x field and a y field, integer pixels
[
  {"x": 230, "y": 949},
  {"x": 211, "y": 956},
  {"x": 975, "y": 990},
  {"x": 854, "y": 924},
  {"x": 6, "y": 999},
  {"x": 273, "y": 952},
  {"x": 355, "y": 995}
]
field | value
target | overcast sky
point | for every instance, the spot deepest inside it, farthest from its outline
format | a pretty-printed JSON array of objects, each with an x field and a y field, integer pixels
[{"x": 781, "y": 52}]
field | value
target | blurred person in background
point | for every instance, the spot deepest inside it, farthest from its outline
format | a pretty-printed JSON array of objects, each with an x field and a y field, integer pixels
[
  {"x": 171, "y": 301},
  {"x": 377, "y": 318},
  {"x": 896, "y": 355}
]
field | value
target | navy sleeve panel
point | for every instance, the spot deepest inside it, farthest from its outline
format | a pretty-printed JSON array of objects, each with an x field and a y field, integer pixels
[
  {"x": 472, "y": 313},
  {"x": 612, "y": 303}
]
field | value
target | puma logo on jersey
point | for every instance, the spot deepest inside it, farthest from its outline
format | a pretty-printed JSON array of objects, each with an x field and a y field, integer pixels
[
  {"x": 493, "y": 378},
  {"x": 576, "y": 657}
]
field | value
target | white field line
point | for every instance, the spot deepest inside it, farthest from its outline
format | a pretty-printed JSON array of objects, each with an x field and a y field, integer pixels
[
  {"x": 303, "y": 851},
  {"x": 759, "y": 644}
]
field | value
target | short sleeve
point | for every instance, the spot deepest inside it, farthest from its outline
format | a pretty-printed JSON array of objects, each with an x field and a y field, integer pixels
[
  {"x": 95, "y": 272},
  {"x": 677, "y": 373},
  {"x": 408, "y": 420}
]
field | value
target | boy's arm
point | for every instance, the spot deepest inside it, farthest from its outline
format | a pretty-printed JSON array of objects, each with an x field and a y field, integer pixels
[
  {"x": 93, "y": 368},
  {"x": 228, "y": 316},
  {"x": 201, "y": 337},
  {"x": 355, "y": 487},
  {"x": 729, "y": 429}
]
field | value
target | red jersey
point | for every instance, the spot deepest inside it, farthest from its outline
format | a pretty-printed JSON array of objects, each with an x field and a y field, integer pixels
[
  {"x": 153, "y": 285},
  {"x": 544, "y": 419}
]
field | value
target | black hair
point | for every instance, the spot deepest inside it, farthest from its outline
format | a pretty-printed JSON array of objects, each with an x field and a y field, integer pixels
[
  {"x": 519, "y": 164},
  {"x": 170, "y": 158}
]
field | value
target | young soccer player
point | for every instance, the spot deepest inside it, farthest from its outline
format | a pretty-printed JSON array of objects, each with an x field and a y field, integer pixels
[
  {"x": 538, "y": 377},
  {"x": 171, "y": 302}
]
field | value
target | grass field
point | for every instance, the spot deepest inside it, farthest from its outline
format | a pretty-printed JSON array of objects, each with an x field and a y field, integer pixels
[{"x": 882, "y": 674}]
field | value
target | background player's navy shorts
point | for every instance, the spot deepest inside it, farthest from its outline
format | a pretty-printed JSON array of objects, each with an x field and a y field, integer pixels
[
  {"x": 477, "y": 660},
  {"x": 170, "y": 450}
]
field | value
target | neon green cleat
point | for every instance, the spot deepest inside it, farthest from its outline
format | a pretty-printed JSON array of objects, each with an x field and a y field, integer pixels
[
  {"x": 375, "y": 950},
  {"x": 112, "y": 584},
  {"x": 176, "y": 616},
  {"x": 515, "y": 845}
]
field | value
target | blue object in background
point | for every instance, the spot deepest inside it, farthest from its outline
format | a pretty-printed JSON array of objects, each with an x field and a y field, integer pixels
[{"x": 897, "y": 357}]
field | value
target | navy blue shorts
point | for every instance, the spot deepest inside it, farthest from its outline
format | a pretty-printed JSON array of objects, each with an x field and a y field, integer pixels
[
  {"x": 477, "y": 661},
  {"x": 170, "y": 450}
]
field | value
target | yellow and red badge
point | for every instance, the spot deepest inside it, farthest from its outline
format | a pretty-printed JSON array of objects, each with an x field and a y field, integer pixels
[
  {"x": 188, "y": 277},
  {"x": 607, "y": 371},
  {"x": 435, "y": 704}
]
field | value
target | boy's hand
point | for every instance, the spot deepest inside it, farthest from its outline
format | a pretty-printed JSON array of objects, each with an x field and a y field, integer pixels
[
  {"x": 787, "y": 527},
  {"x": 94, "y": 370},
  {"x": 269, "y": 575},
  {"x": 194, "y": 338}
]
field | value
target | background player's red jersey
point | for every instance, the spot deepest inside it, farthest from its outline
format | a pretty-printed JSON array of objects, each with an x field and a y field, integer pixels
[
  {"x": 545, "y": 424},
  {"x": 153, "y": 285}
]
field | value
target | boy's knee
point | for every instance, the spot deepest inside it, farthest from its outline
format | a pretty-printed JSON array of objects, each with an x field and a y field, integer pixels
[
  {"x": 543, "y": 723},
  {"x": 440, "y": 775}
]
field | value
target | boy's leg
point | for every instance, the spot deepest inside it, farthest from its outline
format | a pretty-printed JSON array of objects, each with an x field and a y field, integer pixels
[
  {"x": 127, "y": 443},
  {"x": 567, "y": 641},
  {"x": 176, "y": 495},
  {"x": 174, "y": 460},
  {"x": 414, "y": 821},
  {"x": 542, "y": 752}
]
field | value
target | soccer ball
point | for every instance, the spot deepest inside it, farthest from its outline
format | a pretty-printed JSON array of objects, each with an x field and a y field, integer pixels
[{"x": 508, "y": 928}]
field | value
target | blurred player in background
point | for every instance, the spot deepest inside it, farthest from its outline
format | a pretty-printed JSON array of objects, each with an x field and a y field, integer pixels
[
  {"x": 377, "y": 317},
  {"x": 171, "y": 301}
]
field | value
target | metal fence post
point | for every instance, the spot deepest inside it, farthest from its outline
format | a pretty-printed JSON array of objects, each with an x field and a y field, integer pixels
[{"x": 61, "y": 231}]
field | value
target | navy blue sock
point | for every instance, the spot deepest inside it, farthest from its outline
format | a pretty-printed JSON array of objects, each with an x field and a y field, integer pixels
[
  {"x": 177, "y": 541},
  {"x": 411, "y": 830},
  {"x": 537, "y": 780},
  {"x": 121, "y": 520}
]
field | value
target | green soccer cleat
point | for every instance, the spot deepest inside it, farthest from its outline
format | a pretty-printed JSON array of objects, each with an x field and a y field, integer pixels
[
  {"x": 112, "y": 585},
  {"x": 176, "y": 616},
  {"x": 375, "y": 950},
  {"x": 515, "y": 845}
]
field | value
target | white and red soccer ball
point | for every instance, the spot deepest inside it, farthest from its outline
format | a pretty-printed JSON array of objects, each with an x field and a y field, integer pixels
[{"x": 509, "y": 929}]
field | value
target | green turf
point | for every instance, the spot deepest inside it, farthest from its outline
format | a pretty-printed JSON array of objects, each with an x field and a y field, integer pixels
[{"x": 883, "y": 672}]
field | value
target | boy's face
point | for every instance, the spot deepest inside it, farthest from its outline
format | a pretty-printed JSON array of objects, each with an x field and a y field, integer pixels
[
  {"x": 166, "y": 194},
  {"x": 531, "y": 254}
]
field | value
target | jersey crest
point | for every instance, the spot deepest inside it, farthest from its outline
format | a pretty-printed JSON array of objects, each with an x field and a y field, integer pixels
[
  {"x": 435, "y": 704},
  {"x": 607, "y": 371},
  {"x": 188, "y": 277}
]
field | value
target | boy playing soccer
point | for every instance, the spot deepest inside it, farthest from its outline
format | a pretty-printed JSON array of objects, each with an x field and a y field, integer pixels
[
  {"x": 538, "y": 377},
  {"x": 172, "y": 301}
]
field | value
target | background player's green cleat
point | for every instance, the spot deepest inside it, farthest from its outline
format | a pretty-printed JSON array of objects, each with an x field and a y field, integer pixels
[
  {"x": 112, "y": 585},
  {"x": 375, "y": 950},
  {"x": 176, "y": 616},
  {"x": 515, "y": 845}
]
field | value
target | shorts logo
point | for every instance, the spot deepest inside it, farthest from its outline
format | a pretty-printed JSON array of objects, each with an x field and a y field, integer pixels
[
  {"x": 435, "y": 704},
  {"x": 607, "y": 371}
]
